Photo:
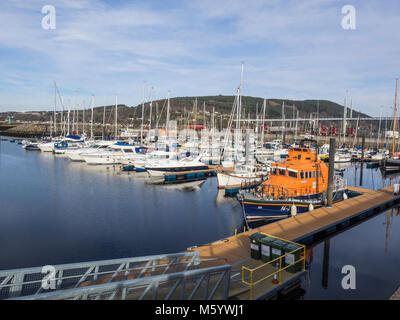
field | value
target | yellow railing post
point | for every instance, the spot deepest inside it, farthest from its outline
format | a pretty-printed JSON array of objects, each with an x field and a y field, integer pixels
[
  {"x": 235, "y": 232},
  {"x": 304, "y": 259},
  {"x": 251, "y": 285}
]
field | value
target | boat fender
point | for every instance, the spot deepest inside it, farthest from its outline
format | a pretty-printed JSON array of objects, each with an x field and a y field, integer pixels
[
  {"x": 345, "y": 197},
  {"x": 310, "y": 207},
  {"x": 293, "y": 210},
  {"x": 396, "y": 189}
]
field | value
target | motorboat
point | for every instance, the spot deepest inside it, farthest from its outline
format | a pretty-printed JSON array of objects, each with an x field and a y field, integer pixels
[
  {"x": 241, "y": 175},
  {"x": 114, "y": 154}
]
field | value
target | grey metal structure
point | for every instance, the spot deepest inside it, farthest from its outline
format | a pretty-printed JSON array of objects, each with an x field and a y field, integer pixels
[
  {"x": 203, "y": 284},
  {"x": 112, "y": 279}
]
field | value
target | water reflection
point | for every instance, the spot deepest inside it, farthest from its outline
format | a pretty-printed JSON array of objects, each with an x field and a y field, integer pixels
[
  {"x": 375, "y": 258},
  {"x": 57, "y": 211}
]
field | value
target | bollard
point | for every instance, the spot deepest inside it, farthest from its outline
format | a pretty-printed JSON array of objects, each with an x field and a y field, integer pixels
[{"x": 293, "y": 210}]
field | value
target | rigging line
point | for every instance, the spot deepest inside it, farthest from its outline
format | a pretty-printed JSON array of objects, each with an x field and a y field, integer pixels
[{"x": 160, "y": 115}]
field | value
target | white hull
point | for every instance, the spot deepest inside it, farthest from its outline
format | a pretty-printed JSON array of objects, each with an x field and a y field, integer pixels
[
  {"x": 46, "y": 147},
  {"x": 228, "y": 180},
  {"x": 227, "y": 163},
  {"x": 98, "y": 160},
  {"x": 156, "y": 173},
  {"x": 342, "y": 160},
  {"x": 75, "y": 156}
]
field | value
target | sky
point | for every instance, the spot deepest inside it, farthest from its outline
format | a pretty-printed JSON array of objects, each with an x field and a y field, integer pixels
[{"x": 291, "y": 49}]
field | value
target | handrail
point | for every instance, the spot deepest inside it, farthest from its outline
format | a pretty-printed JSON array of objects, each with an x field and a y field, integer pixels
[
  {"x": 123, "y": 270},
  {"x": 280, "y": 269}
]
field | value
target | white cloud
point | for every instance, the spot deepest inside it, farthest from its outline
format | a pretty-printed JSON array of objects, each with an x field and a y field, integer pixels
[{"x": 292, "y": 49}]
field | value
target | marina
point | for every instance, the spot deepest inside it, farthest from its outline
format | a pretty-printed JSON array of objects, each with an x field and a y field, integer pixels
[
  {"x": 308, "y": 228},
  {"x": 207, "y": 157}
]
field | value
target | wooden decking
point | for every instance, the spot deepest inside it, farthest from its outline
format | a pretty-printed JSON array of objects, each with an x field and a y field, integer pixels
[{"x": 236, "y": 248}]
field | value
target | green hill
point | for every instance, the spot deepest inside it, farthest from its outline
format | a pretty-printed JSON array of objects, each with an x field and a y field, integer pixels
[{"x": 181, "y": 109}]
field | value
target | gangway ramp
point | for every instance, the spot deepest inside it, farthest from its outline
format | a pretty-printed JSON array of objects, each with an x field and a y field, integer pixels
[{"x": 171, "y": 276}]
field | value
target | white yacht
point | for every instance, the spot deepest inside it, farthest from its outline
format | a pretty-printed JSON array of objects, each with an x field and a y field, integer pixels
[
  {"x": 156, "y": 155},
  {"x": 242, "y": 174},
  {"x": 114, "y": 154},
  {"x": 342, "y": 156},
  {"x": 158, "y": 168},
  {"x": 98, "y": 146}
]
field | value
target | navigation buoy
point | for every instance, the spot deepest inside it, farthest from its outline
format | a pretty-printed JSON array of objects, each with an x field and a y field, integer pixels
[
  {"x": 310, "y": 207},
  {"x": 293, "y": 210}
]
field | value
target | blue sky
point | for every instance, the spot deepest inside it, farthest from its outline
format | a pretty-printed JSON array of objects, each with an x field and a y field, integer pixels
[{"x": 291, "y": 49}]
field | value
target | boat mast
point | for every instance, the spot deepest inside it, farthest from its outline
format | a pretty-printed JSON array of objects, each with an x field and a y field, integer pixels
[
  {"x": 83, "y": 117},
  {"x": 62, "y": 116},
  {"x": 345, "y": 117},
  {"x": 283, "y": 119},
  {"x": 317, "y": 129},
  {"x": 73, "y": 116},
  {"x": 68, "y": 117},
  {"x": 394, "y": 118},
  {"x": 379, "y": 129},
  {"x": 297, "y": 118},
  {"x": 167, "y": 120},
  {"x": 263, "y": 119},
  {"x": 51, "y": 126},
  {"x": 240, "y": 94},
  {"x": 194, "y": 122},
  {"x": 116, "y": 118},
  {"x": 143, "y": 97},
  {"x": 77, "y": 118},
  {"x": 239, "y": 112},
  {"x": 91, "y": 121},
  {"x": 151, "y": 106},
  {"x": 204, "y": 114},
  {"x": 104, "y": 119},
  {"x": 55, "y": 107},
  {"x": 355, "y": 136}
]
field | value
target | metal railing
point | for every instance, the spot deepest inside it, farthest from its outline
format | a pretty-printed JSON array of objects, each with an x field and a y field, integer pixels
[
  {"x": 279, "y": 270},
  {"x": 204, "y": 284},
  {"x": 29, "y": 281}
]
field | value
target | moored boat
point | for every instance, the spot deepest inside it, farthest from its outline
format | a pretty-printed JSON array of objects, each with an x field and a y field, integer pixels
[{"x": 296, "y": 185}]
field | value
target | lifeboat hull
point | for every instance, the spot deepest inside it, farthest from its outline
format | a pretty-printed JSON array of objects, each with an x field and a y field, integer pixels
[{"x": 259, "y": 209}]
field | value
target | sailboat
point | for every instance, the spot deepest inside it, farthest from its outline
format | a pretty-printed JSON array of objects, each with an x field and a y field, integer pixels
[{"x": 392, "y": 164}]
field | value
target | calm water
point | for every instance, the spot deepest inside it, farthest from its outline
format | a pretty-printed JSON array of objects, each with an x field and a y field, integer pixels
[{"x": 55, "y": 211}]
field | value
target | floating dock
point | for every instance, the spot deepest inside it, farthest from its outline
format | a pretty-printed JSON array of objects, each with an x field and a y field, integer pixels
[
  {"x": 221, "y": 270},
  {"x": 306, "y": 228}
]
